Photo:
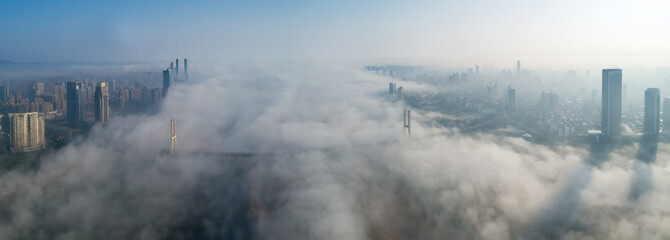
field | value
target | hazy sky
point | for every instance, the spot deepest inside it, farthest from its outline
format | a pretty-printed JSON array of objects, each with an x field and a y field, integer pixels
[{"x": 559, "y": 33}]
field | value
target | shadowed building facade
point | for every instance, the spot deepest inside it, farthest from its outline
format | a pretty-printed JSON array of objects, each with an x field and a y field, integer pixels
[
  {"x": 26, "y": 132},
  {"x": 75, "y": 113},
  {"x": 167, "y": 81},
  {"x": 4, "y": 93},
  {"x": 652, "y": 111},
  {"x": 611, "y": 103},
  {"x": 102, "y": 102}
]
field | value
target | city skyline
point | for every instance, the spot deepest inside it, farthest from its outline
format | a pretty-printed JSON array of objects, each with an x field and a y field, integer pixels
[{"x": 491, "y": 120}]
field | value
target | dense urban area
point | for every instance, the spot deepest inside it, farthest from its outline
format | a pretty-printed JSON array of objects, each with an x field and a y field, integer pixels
[
  {"x": 46, "y": 113},
  {"x": 489, "y": 103}
]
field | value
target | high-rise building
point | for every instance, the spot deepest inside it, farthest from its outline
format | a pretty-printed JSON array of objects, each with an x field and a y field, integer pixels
[
  {"x": 124, "y": 99},
  {"x": 176, "y": 70},
  {"x": 477, "y": 70},
  {"x": 185, "y": 69},
  {"x": 511, "y": 99},
  {"x": 652, "y": 111},
  {"x": 155, "y": 96},
  {"x": 392, "y": 88},
  {"x": 611, "y": 103},
  {"x": 518, "y": 67},
  {"x": 102, "y": 102},
  {"x": 453, "y": 78},
  {"x": 167, "y": 81},
  {"x": 75, "y": 113},
  {"x": 549, "y": 101},
  {"x": 26, "y": 132},
  {"x": 4, "y": 93},
  {"x": 666, "y": 116},
  {"x": 39, "y": 89}
]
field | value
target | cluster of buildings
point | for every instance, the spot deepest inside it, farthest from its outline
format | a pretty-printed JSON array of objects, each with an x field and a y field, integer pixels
[
  {"x": 470, "y": 105},
  {"x": 75, "y": 102},
  {"x": 611, "y": 123},
  {"x": 396, "y": 91},
  {"x": 574, "y": 119}
]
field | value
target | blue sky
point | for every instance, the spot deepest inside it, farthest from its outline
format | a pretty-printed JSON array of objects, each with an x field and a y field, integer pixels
[{"x": 565, "y": 33}]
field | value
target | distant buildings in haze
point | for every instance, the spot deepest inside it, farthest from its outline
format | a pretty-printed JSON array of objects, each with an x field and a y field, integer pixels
[{"x": 511, "y": 99}]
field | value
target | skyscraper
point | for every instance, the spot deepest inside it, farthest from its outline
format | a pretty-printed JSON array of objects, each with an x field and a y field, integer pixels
[
  {"x": 39, "y": 89},
  {"x": 124, "y": 99},
  {"x": 155, "y": 96},
  {"x": 518, "y": 67},
  {"x": 176, "y": 70},
  {"x": 101, "y": 102},
  {"x": 26, "y": 132},
  {"x": 611, "y": 103},
  {"x": 185, "y": 69},
  {"x": 549, "y": 101},
  {"x": 511, "y": 99},
  {"x": 167, "y": 82},
  {"x": 652, "y": 111},
  {"x": 666, "y": 116},
  {"x": 75, "y": 114},
  {"x": 4, "y": 93},
  {"x": 477, "y": 70}
]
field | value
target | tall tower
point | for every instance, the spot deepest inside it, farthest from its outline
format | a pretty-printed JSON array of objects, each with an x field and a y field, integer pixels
[
  {"x": 477, "y": 70},
  {"x": 666, "y": 116},
  {"x": 4, "y": 93},
  {"x": 518, "y": 67},
  {"x": 511, "y": 99},
  {"x": 185, "y": 69},
  {"x": 176, "y": 70},
  {"x": 75, "y": 113},
  {"x": 406, "y": 121},
  {"x": 102, "y": 103},
  {"x": 611, "y": 103},
  {"x": 167, "y": 82},
  {"x": 173, "y": 135},
  {"x": 26, "y": 132},
  {"x": 652, "y": 111}
]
